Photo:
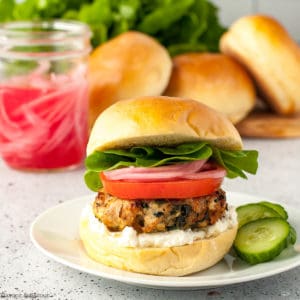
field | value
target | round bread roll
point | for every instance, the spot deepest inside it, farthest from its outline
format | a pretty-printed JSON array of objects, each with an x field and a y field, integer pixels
[
  {"x": 161, "y": 121},
  {"x": 168, "y": 261},
  {"x": 130, "y": 65},
  {"x": 266, "y": 49},
  {"x": 215, "y": 80}
]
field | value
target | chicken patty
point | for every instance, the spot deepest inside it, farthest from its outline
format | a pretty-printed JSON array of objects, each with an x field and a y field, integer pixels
[{"x": 159, "y": 215}]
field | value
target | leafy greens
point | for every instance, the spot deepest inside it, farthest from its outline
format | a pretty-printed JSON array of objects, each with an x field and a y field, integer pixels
[
  {"x": 181, "y": 26},
  {"x": 235, "y": 162}
]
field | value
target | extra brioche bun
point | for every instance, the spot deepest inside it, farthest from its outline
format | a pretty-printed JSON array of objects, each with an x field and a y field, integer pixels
[
  {"x": 161, "y": 121},
  {"x": 172, "y": 261},
  {"x": 269, "y": 53},
  {"x": 130, "y": 65},
  {"x": 216, "y": 80}
]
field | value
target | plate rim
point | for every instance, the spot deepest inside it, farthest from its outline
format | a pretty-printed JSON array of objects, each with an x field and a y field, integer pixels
[{"x": 152, "y": 281}]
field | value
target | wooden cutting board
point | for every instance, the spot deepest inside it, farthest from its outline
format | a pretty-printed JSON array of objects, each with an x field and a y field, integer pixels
[{"x": 269, "y": 125}]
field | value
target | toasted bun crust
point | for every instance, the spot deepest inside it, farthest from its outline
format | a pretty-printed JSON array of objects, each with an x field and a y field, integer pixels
[
  {"x": 271, "y": 56},
  {"x": 130, "y": 65},
  {"x": 161, "y": 121},
  {"x": 172, "y": 261},
  {"x": 216, "y": 80}
]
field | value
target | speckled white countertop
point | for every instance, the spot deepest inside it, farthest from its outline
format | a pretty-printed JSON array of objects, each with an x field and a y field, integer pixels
[{"x": 25, "y": 272}]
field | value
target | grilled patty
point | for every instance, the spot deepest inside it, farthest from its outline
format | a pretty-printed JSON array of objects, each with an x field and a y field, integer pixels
[{"x": 159, "y": 215}]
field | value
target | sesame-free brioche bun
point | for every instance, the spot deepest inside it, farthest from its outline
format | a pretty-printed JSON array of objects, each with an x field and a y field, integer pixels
[
  {"x": 214, "y": 79},
  {"x": 132, "y": 64},
  {"x": 270, "y": 54},
  {"x": 167, "y": 261},
  {"x": 161, "y": 121}
]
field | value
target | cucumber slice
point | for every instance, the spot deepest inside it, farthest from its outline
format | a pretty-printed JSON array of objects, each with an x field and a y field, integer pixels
[
  {"x": 292, "y": 236},
  {"x": 277, "y": 207},
  {"x": 253, "y": 211},
  {"x": 262, "y": 240}
]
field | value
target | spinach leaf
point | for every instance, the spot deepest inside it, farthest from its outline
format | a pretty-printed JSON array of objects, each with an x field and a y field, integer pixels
[
  {"x": 181, "y": 26},
  {"x": 6, "y": 10}
]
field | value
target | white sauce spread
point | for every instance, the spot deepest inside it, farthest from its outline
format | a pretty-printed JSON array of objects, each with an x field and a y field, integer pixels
[{"x": 128, "y": 237}]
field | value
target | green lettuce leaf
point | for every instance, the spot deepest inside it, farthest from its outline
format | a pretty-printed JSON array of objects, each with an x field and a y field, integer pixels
[
  {"x": 181, "y": 26},
  {"x": 236, "y": 163}
]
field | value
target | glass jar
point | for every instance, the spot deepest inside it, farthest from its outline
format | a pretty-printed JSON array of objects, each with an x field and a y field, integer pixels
[{"x": 43, "y": 94}]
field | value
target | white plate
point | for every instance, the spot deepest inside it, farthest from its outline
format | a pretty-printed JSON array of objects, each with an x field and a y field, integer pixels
[{"x": 55, "y": 233}]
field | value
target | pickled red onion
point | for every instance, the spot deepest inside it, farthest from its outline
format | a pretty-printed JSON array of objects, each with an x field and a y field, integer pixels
[
  {"x": 43, "y": 119},
  {"x": 190, "y": 170},
  {"x": 218, "y": 172}
]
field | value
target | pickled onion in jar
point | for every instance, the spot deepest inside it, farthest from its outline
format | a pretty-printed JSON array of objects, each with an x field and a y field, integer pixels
[{"x": 43, "y": 120}]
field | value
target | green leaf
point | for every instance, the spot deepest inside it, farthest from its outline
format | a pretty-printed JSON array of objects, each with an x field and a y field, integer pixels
[
  {"x": 235, "y": 162},
  {"x": 26, "y": 10},
  {"x": 245, "y": 160},
  {"x": 70, "y": 15},
  {"x": 292, "y": 238},
  {"x": 133, "y": 152},
  {"x": 233, "y": 171},
  {"x": 92, "y": 180},
  {"x": 214, "y": 30},
  {"x": 181, "y": 26},
  {"x": 100, "y": 34},
  {"x": 99, "y": 161},
  {"x": 164, "y": 16},
  {"x": 97, "y": 12},
  {"x": 183, "y": 149},
  {"x": 6, "y": 10}
]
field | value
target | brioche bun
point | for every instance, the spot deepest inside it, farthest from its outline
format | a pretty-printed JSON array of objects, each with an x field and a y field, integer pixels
[
  {"x": 269, "y": 53},
  {"x": 168, "y": 261},
  {"x": 130, "y": 65},
  {"x": 161, "y": 121},
  {"x": 215, "y": 80}
]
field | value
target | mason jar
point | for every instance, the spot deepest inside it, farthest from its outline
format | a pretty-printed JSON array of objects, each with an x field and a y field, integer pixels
[{"x": 43, "y": 94}]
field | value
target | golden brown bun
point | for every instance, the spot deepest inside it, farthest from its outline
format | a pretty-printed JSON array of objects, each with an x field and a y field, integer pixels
[
  {"x": 161, "y": 121},
  {"x": 268, "y": 125},
  {"x": 215, "y": 80},
  {"x": 271, "y": 56},
  {"x": 130, "y": 65},
  {"x": 172, "y": 261}
]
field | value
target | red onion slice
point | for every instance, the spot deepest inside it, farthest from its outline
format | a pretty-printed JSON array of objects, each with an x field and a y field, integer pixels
[
  {"x": 219, "y": 172},
  {"x": 190, "y": 170},
  {"x": 187, "y": 167}
]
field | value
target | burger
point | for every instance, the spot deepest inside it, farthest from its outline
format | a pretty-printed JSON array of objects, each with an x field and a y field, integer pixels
[{"x": 157, "y": 165}]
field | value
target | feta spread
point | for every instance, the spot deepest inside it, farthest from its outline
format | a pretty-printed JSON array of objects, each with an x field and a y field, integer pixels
[{"x": 129, "y": 237}]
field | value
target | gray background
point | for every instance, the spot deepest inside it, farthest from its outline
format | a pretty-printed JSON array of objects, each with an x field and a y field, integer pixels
[{"x": 286, "y": 11}]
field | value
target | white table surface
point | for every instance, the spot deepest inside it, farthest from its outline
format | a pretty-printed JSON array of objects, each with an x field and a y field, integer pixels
[{"x": 24, "y": 270}]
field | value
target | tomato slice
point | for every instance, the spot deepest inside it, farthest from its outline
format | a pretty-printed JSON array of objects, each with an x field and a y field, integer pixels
[{"x": 176, "y": 189}]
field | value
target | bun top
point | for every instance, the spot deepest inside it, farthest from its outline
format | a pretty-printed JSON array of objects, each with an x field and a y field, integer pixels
[
  {"x": 161, "y": 121},
  {"x": 129, "y": 65},
  {"x": 214, "y": 79}
]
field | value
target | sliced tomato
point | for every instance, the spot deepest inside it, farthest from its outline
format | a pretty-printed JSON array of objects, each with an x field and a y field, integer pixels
[{"x": 176, "y": 189}]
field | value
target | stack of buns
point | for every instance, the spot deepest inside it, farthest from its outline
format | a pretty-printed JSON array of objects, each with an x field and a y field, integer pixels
[
  {"x": 272, "y": 57},
  {"x": 258, "y": 56}
]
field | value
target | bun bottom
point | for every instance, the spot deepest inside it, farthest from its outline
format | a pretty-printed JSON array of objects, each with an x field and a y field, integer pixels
[{"x": 169, "y": 261}]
